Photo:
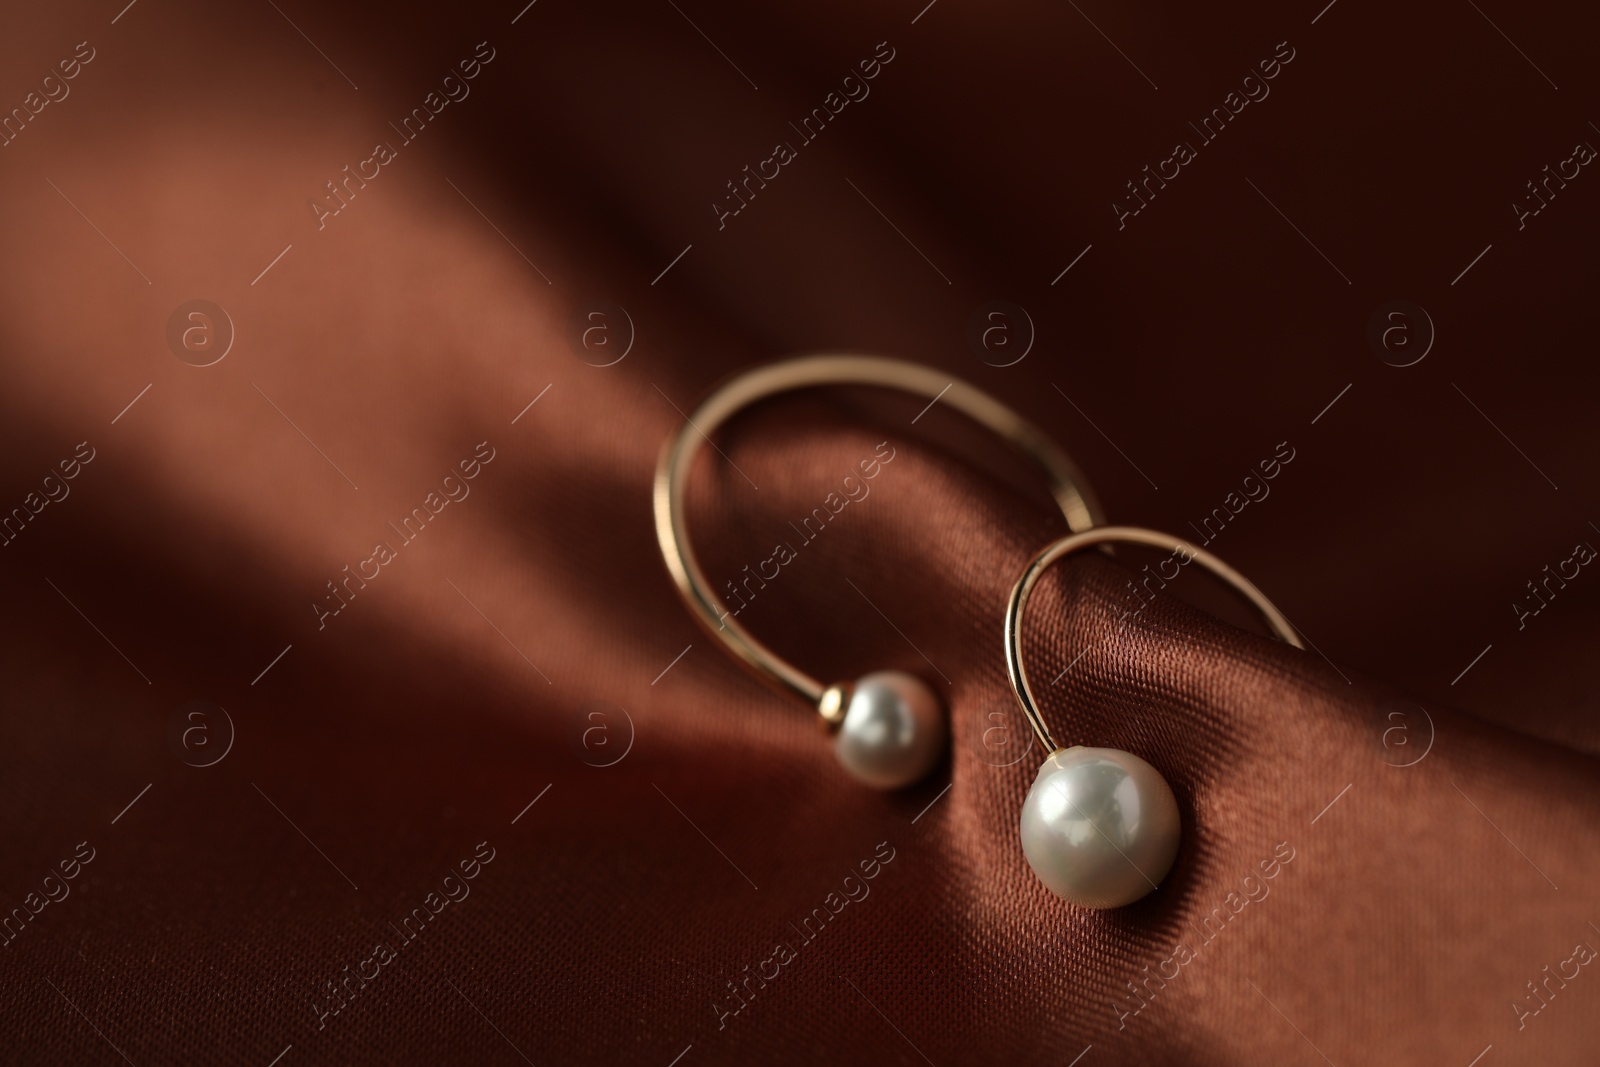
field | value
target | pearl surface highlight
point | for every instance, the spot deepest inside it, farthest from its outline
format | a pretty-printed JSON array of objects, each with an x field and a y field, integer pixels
[
  {"x": 893, "y": 730},
  {"x": 1100, "y": 826}
]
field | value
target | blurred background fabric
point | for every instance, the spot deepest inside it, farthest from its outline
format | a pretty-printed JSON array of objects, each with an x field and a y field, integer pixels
[{"x": 351, "y": 716}]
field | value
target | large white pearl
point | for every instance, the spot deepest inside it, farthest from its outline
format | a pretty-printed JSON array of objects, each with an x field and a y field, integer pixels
[
  {"x": 1100, "y": 826},
  {"x": 893, "y": 730}
]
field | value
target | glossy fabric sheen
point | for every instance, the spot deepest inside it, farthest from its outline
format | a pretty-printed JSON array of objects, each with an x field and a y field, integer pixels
[{"x": 500, "y": 801}]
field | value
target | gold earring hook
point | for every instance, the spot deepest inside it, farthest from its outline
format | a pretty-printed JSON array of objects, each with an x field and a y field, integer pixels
[
  {"x": 1072, "y": 495},
  {"x": 1104, "y": 535}
]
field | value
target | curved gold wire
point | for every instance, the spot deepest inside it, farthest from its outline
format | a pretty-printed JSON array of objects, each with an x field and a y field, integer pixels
[
  {"x": 1101, "y": 535},
  {"x": 1071, "y": 494}
]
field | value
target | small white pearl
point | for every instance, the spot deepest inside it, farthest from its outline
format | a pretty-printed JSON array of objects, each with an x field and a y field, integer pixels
[
  {"x": 893, "y": 730},
  {"x": 1100, "y": 826}
]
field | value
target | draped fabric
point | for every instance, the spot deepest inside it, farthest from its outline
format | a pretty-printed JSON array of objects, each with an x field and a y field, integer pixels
[{"x": 351, "y": 716}]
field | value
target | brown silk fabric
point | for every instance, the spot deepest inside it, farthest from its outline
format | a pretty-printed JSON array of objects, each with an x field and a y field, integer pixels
[{"x": 549, "y": 820}]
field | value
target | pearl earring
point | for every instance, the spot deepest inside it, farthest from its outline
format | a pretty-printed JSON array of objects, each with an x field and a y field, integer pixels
[
  {"x": 889, "y": 727},
  {"x": 1100, "y": 826}
]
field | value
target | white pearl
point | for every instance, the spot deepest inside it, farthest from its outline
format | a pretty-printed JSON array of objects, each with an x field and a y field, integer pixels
[
  {"x": 893, "y": 730},
  {"x": 1100, "y": 826}
]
